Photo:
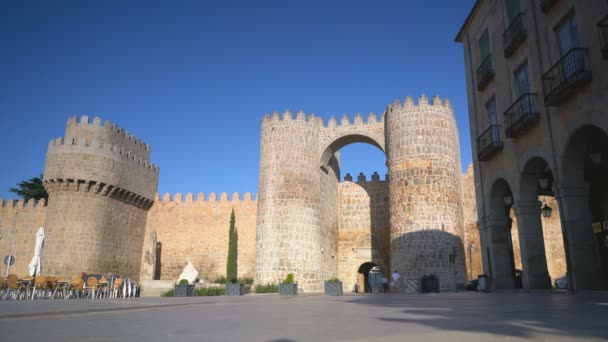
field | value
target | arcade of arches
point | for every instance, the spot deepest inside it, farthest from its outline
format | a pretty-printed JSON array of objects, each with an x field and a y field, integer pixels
[{"x": 573, "y": 240}]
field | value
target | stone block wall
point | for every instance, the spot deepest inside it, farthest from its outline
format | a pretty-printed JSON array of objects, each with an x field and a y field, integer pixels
[
  {"x": 19, "y": 223},
  {"x": 196, "y": 230},
  {"x": 473, "y": 263},
  {"x": 364, "y": 234},
  {"x": 425, "y": 190},
  {"x": 101, "y": 185}
]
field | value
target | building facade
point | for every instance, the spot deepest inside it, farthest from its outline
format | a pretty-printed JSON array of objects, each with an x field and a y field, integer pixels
[{"x": 537, "y": 87}]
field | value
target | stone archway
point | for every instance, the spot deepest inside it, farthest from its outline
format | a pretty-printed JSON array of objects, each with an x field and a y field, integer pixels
[
  {"x": 497, "y": 237},
  {"x": 583, "y": 198},
  {"x": 363, "y": 277}
]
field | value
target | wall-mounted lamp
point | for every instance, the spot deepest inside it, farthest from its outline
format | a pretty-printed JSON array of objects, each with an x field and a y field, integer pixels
[
  {"x": 546, "y": 211},
  {"x": 544, "y": 181}
]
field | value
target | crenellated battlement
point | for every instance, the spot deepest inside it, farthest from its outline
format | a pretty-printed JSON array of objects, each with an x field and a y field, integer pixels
[
  {"x": 20, "y": 203},
  {"x": 201, "y": 198},
  {"x": 423, "y": 102},
  {"x": 95, "y": 146},
  {"x": 109, "y": 132},
  {"x": 362, "y": 178},
  {"x": 300, "y": 116}
]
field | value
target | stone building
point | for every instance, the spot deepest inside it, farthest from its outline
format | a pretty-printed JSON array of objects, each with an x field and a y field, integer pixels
[{"x": 536, "y": 84}]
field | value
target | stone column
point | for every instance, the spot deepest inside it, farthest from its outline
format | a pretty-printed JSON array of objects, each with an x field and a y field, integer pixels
[
  {"x": 582, "y": 251},
  {"x": 532, "y": 245},
  {"x": 501, "y": 272}
]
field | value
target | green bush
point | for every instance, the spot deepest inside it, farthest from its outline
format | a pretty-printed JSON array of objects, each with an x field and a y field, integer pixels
[
  {"x": 220, "y": 280},
  {"x": 268, "y": 288},
  {"x": 333, "y": 280},
  {"x": 246, "y": 281},
  {"x": 167, "y": 294},
  {"x": 209, "y": 291},
  {"x": 183, "y": 282},
  {"x": 289, "y": 279}
]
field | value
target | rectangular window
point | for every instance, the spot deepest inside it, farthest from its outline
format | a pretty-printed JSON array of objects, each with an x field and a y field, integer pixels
[
  {"x": 484, "y": 46},
  {"x": 522, "y": 85},
  {"x": 567, "y": 34},
  {"x": 493, "y": 119},
  {"x": 513, "y": 9}
]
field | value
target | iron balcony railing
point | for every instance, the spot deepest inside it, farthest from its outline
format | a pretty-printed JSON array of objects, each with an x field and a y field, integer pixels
[
  {"x": 488, "y": 143},
  {"x": 515, "y": 35},
  {"x": 521, "y": 115},
  {"x": 485, "y": 73},
  {"x": 546, "y": 5},
  {"x": 566, "y": 76},
  {"x": 602, "y": 28}
]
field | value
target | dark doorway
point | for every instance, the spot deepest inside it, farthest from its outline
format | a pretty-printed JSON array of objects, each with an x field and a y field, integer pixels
[
  {"x": 364, "y": 271},
  {"x": 157, "y": 263}
]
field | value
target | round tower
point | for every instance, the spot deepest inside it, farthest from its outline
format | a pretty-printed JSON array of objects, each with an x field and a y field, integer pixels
[
  {"x": 424, "y": 191},
  {"x": 101, "y": 185},
  {"x": 289, "y": 235}
]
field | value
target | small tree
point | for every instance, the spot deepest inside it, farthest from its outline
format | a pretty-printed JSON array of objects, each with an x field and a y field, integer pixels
[
  {"x": 31, "y": 189},
  {"x": 231, "y": 264}
]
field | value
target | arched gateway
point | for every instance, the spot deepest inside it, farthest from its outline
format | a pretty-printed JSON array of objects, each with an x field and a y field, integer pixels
[{"x": 299, "y": 208}]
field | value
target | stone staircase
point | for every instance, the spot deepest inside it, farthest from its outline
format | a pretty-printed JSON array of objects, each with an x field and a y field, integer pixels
[{"x": 153, "y": 288}]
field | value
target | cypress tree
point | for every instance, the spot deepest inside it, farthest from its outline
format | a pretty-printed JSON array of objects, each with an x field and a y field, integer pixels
[{"x": 231, "y": 263}]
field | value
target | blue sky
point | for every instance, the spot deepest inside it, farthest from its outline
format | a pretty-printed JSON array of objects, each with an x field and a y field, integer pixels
[{"x": 194, "y": 79}]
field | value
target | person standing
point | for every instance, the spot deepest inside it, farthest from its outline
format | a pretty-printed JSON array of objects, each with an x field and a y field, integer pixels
[
  {"x": 384, "y": 282},
  {"x": 395, "y": 283}
]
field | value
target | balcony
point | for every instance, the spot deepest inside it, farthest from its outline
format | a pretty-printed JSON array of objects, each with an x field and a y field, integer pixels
[
  {"x": 546, "y": 5},
  {"x": 521, "y": 116},
  {"x": 489, "y": 143},
  {"x": 567, "y": 76},
  {"x": 602, "y": 28},
  {"x": 514, "y": 36},
  {"x": 485, "y": 73}
]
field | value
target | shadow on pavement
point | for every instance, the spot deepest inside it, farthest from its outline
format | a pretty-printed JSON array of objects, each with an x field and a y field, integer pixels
[{"x": 516, "y": 315}]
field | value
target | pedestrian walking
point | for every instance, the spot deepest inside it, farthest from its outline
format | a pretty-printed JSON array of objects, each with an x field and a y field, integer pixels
[{"x": 395, "y": 283}]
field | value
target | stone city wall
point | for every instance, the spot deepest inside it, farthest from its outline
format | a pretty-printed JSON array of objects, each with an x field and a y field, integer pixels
[
  {"x": 196, "y": 230},
  {"x": 364, "y": 234},
  {"x": 472, "y": 245},
  {"x": 19, "y": 223}
]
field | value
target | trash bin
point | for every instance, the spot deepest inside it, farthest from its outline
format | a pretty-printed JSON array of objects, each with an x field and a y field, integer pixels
[{"x": 483, "y": 282}]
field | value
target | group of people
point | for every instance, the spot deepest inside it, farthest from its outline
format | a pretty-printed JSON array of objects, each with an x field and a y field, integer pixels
[{"x": 394, "y": 285}]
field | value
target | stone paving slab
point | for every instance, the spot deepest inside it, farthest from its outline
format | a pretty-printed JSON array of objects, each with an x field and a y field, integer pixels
[{"x": 438, "y": 317}]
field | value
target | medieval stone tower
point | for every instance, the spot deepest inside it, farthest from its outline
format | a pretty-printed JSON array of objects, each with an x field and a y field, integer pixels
[
  {"x": 101, "y": 185},
  {"x": 299, "y": 193}
]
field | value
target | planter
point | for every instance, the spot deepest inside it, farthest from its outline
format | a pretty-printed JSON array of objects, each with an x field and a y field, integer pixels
[
  {"x": 234, "y": 289},
  {"x": 333, "y": 288},
  {"x": 183, "y": 290},
  {"x": 290, "y": 289}
]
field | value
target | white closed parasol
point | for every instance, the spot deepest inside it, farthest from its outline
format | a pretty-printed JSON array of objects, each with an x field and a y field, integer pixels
[{"x": 34, "y": 266}]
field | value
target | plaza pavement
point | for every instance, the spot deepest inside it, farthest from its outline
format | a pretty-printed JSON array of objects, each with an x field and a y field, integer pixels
[{"x": 542, "y": 316}]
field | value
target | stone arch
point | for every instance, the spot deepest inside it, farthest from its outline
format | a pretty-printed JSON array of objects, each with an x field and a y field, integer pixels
[
  {"x": 499, "y": 189},
  {"x": 334, "y": 144},
  {"x": 582, "y": 191}
]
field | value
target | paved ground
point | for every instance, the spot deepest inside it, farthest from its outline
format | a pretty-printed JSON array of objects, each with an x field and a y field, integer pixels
[{"x": 439, "y": 317}]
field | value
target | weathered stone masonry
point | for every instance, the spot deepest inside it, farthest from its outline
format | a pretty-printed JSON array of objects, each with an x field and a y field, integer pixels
[{"x": 103, "y": 210}]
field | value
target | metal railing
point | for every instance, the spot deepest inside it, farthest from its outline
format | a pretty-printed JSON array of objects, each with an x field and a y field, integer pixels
[
  {"x": 485, "y": 73},
  {"x": 546, "y": 5},
  {"x": 514, "y": 35},
  {"x": 566, "y": 76},
  {"x": 521, "y": 115},
  {"x": 602, "y": 29},
  {"x": 489, "y": 142}
]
